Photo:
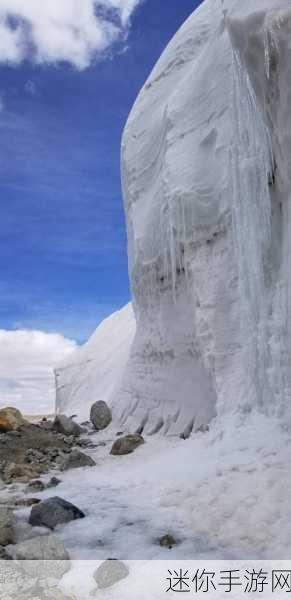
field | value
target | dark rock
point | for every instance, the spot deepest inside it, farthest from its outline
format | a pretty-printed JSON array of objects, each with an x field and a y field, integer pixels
[
  {"x": 66, "y": 426},
  {"x": 53, "y": 511},
  {"x": 87, "y": 444},
  {"x": 4, "y": 555},
  {"x": 36, "y": 486},
  {"x": 77, "y": 459},
  {"x": 203, "y": 429},
  {"x": 53, "y": 482},
  {"x": 119, "y": 433},
  {"x": 167, "y": 541},
  {"x": 126, "y": 444},
  {"x": 100, "y": 415},
  {"x": 110, "y": 572}
]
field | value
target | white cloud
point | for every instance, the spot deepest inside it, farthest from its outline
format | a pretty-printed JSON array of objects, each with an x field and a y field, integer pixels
[
  {"x": 51, "y": 31},
  {"x": 27, "y": 359}
]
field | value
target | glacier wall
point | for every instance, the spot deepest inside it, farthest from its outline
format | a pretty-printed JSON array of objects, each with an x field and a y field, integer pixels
[{"x": 205, "y": 171}]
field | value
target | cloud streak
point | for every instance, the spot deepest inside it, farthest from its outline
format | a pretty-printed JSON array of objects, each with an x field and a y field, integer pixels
[
  {"x": 27, "y": 359},
  {"x": 72, "y": 31}
]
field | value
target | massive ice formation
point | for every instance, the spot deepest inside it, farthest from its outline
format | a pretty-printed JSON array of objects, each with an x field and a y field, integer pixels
[{"x": 205, "y": 168}]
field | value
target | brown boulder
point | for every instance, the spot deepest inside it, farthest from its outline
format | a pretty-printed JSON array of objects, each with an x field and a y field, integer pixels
[
  {"x": 126, "y": 444},
  {"x": 11, "y": 419}
]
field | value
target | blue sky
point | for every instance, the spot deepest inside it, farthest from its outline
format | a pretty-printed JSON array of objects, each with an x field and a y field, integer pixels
[{"x": 63, "y": 259}]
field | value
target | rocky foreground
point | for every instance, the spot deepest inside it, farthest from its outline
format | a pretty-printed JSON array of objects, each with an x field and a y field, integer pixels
[{"x": 32, "y": 458}]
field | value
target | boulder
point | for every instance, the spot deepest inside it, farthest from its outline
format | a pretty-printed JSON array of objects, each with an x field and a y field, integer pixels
[
  {"x": 66, "y": 426},
  {"x": 4, "y": 555},
  {"x": 100, "y": 415},
  {"x": 46, "y": 558},
  {"x": 77, "y": 459},
  {"x": 53, "y": 511},
  {"x": 126, "y": 444},
  {"x": 44, "y": 547},
  {"x": 110, "y": 572},
  {"x": 11, "y": 419},
  {"x": 7, "y": 526}
]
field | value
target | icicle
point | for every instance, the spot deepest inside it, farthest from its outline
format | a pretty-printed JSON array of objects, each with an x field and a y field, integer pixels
[
  {"x": 251, "y": 162},
  {"x": 267, "y": 53}
]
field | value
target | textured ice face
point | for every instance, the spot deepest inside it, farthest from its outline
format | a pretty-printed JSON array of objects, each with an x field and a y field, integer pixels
[
  {"x": 203, "y": 157},
  {"x": 206, "y": 180},
  {"x": 175, "y": 150}
]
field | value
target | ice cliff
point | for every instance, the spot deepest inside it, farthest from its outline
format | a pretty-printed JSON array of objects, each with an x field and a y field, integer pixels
[{"x": 205, "y": 168}]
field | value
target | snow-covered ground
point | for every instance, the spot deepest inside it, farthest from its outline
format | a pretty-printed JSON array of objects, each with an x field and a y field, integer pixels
[{"x": 224, "y": 494}]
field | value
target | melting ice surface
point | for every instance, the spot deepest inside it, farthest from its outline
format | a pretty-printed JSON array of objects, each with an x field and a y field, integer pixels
[{"x": 206, "y": 178}]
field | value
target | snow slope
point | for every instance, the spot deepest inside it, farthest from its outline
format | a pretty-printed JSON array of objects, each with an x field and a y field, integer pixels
[
  {"x": 94, "y": 370},
  {"x": 205, "y": 170}
]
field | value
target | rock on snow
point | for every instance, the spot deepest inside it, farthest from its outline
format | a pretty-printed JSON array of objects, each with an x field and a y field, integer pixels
[
  {"x": 100, "y": 415},
  {"x": 53, "y": 511}
]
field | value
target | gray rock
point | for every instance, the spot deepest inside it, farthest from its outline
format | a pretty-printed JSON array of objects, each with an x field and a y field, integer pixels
[
  {"x": 110, "y": 572},
  {"x": 44, "y": 547},
  {"x": 7, "y": 526},
  {"x": 4, "y": 555},
  {"x": 66, "y": 426},
  {"x": 53, "y": 511},
  {"x": 77, "y": 459},
  {"x": 100, "y": 415},
  {"x": 38, "y": 554},
  {"x": 126, "y": 444}
]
